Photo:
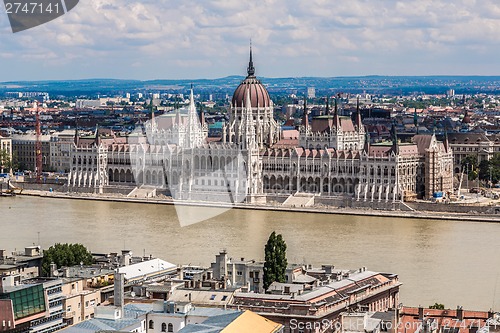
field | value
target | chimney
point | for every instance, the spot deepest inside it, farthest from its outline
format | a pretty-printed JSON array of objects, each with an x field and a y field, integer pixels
[
  {"x": 66, "y": 272},
  {"x": 328, "y": 268},
  {"x": 460, "y": 313},
  {"x": 53, "y": 270},
  {"x": 170, "y": 307},
  {"x": 3, "y": 254},
  {"x": 119, "y": 296},
  {"x": 222, "y": 260},
  {"x": 125, "y": 257},
  {"x": 420, "y": 313}
]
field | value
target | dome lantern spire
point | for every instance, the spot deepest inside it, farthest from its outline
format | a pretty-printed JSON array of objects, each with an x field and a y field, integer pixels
[{"x": 251, "y": 68}]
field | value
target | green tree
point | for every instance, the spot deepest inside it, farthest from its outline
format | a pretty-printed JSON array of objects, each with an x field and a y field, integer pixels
[
  {"x": 484, "y": 170},
  {"x": 5, "y": 161},
  {"x": 65, "y": 255},
  {"x": 275, "y": 263},
  {"x": 437, "y": 306},
  {"x": 469, "y": 163}
]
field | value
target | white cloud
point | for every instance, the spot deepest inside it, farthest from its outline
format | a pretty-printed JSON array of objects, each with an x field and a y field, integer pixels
[{"x": 173, "y": 39}]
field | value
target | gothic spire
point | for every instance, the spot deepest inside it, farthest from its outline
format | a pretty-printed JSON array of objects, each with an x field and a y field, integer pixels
[
  {"x": 251, "y": 68},
  {"x": 359, "y": 123},
  {"x": 446, "y": 142},
  {"x": 305, "y": 116},
  {"x": 202, "y": 115},
  {"x": 192, "y": 115},
  {"x": 76, "y": 139},
  {"x": 336, "y": 119},
  {"x": 192, "y": 106},
  {"x": 96, "y": 134},
  {"x": 415, "y": 120},
  {"x": 394, "y": 135},
  {"x": 367, "y": 142}
]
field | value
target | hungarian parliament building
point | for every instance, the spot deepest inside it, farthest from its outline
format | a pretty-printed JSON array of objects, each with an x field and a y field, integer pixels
[{"x": 255, "y": 161}]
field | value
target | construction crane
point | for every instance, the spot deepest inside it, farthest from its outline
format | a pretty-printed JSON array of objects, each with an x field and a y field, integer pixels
[{"x": 38, "y": 146}]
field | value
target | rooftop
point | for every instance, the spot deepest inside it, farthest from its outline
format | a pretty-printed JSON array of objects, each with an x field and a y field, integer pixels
[{"x": 146, "y": 268}]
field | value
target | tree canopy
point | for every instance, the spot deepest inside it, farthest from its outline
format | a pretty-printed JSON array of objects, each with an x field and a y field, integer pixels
[
  {"x": 5, "y": 161},
  {"x": 275, "y": 260},
  {"x": 437, "y": 306},
  {"x": 65, "y": 255},
  {"x": 490, "y": 170}
]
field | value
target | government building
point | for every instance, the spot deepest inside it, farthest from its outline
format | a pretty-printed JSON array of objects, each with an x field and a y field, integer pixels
[{"x": 329, "y": 158}]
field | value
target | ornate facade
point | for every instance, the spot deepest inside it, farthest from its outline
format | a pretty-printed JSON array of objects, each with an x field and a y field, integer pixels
[{"x": 332, "y": 157}]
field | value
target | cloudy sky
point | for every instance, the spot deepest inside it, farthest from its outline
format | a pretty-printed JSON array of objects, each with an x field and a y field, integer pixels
[{"x": 168, "y": 39}]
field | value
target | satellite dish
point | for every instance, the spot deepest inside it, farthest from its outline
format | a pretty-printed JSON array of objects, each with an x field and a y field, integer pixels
[
  {"x": 132, "y": 294},
  {"x": 56, "y": 273}
]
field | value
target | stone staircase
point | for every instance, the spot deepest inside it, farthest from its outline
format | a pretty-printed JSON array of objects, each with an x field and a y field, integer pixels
[
  {"x": 299, "y": 200},
  {"x": 143, "y": 191}
]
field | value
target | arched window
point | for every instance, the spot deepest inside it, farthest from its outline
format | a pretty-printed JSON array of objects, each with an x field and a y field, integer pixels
[
  {"x": 151, "y": 324},
  {"x": 170, "y": 327},
  {"x": 163, "y": 327}
]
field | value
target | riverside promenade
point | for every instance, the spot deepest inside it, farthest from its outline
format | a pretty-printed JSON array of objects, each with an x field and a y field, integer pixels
[{"x": 470, "y": 214}]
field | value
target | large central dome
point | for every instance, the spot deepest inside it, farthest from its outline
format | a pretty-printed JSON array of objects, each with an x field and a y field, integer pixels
[{"x": 259, "y": 96}]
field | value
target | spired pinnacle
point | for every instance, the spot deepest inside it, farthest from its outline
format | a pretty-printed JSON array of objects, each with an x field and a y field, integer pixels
[{"x": 251, "y": 68}]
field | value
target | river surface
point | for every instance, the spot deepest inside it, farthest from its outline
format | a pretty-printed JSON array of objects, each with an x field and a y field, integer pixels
[{"x": 449, "y": 262}]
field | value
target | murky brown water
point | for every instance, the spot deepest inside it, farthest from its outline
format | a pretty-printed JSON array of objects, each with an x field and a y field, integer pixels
[{"x": 450, "y": 262}]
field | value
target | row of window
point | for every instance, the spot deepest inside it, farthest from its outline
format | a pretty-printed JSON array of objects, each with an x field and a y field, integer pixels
[{"x": 164, "y": 327}]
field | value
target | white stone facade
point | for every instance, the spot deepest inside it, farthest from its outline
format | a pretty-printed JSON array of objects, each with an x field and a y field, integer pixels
[{"x": 333, "y": 157}]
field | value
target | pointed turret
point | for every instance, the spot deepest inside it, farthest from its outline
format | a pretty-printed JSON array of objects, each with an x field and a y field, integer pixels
[
  {"x": 415, "y": 120},
  {"x": 367, "y": 143},
  {"x": 336, "y": 118},
  {"x": 446, "y": 142},
  {"x": 305, "y": 116},
  {"x": 248, "y": 105},
  {"x": 466, "y": 119},
  {"x": 76, "y": 139},
  {"x": 193, "y": 116},
  {"x": 178, "y": 119},
  {"x": 394, "y": 137},
  {"x": 249, "y": 125},
  {"x": 153, "y": 121},
  {"x": 96, "y": 134},
  {"x": 359, "y": 123},
  {"x": 202, "y": 115}
]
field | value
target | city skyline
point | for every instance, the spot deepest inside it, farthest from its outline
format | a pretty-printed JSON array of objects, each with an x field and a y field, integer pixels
[{"x": 167, "y": 40}]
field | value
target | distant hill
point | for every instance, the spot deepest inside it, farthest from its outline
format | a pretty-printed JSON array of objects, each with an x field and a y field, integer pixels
[{"x": 323, "y": 85}]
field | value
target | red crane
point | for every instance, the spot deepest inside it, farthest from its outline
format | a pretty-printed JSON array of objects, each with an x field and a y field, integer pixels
[{"x": 38, "y": 146}]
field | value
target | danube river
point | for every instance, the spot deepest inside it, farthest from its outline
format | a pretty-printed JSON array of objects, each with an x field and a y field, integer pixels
[{"x": 450, "y": 262}]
